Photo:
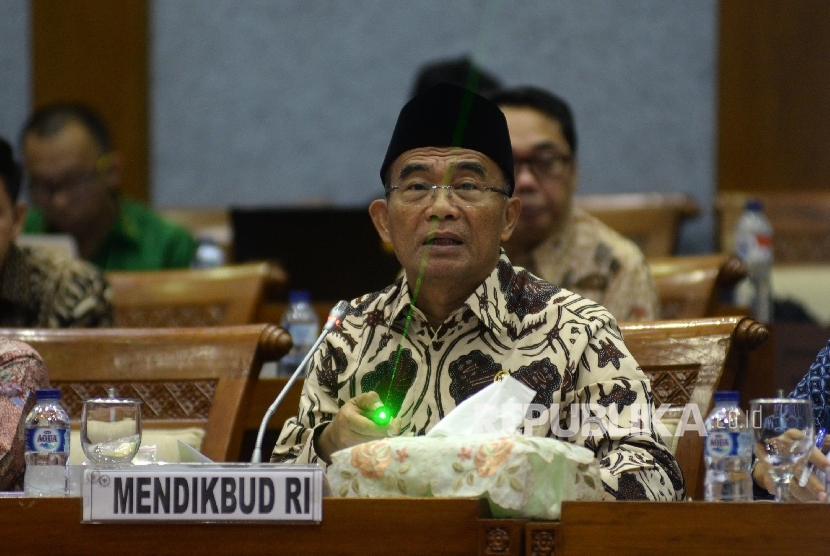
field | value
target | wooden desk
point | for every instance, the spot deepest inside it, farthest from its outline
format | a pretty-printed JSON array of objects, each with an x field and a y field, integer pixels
[
  {"x": 349, "y": 527},
  {"x": 687, "y": 528},
  {"x": 437, "y": 527}
]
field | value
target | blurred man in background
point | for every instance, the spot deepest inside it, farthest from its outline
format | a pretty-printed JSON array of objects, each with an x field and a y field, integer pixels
[
  {"x": 460, "y": 71},
  {"x": 553, "y": 239},
  {"x": 74, "y": 177},
  {"x": 39, "y": 288}
]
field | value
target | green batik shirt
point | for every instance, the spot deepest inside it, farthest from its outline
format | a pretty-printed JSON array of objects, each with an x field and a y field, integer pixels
[
  {"x": 139, "y": 240},
  {"x": 565, "y": 347}
]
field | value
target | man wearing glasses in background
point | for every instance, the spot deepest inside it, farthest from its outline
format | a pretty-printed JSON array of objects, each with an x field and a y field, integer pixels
[
  {"x": 553, "y": 239},
  {"x": 463, "y": 316},
  {"x": 74, "y": 177}
]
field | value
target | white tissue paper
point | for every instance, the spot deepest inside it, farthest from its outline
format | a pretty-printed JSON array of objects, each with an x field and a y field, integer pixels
[{"x": 498, "y": 408}]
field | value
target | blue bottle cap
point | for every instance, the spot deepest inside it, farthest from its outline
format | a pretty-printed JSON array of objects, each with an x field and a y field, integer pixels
[
  {"x": 754, "y": 205},
  {"x": 299, "y": 296},
  {"x": 48, "y": 394},
  {"x": 727, "y": 396}
]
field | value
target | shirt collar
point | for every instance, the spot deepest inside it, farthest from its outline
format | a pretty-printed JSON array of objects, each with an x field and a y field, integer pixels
[{"x": 486, "y": 302}]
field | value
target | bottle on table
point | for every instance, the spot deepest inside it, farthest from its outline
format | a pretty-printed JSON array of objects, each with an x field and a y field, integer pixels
[
  {"x": 47, "y": 446},
  {"x": 300, "y": 320},
  {"x": 753, "y": 244},
  {"x": 209, "y": 254},
  {"x": 728, "y": 451}
]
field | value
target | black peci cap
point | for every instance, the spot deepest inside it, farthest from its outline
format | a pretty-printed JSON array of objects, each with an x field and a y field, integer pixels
[{"x": 447, "y": 115}]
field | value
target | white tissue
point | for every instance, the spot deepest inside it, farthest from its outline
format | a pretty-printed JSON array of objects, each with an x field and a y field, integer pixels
[{"x": 498, "y": 408}]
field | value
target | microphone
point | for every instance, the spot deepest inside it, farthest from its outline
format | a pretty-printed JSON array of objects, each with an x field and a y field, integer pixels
[{"x": 335, "y": 317}]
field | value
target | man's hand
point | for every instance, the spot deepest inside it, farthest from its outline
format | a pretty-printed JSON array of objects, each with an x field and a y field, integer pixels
[
  {"x": 351, "y": 426},
  {"x": 812, "y": 491}
]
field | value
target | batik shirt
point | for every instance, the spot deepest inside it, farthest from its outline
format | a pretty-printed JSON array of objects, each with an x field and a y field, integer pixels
[
  {"x": 596, "y": 262},
  {"x": 566, "y": 348},
  {"x": 815, "y": 386},
  {"x": 40, "y": 289}
]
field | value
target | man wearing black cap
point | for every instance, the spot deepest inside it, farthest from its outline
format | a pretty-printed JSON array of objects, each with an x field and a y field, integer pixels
[{"x": 462, "y": 316}]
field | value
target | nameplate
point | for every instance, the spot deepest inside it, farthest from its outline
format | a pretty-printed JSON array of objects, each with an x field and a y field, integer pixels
[{"x": 209, "y": 493}]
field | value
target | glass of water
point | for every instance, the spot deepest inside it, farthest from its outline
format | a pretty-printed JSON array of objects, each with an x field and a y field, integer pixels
[
  {"x": 784, "y": 436},
  {"x": 111, "y": 429}
]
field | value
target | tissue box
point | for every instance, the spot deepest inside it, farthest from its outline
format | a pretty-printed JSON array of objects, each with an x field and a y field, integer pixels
[{"x": 520, "y": 476}]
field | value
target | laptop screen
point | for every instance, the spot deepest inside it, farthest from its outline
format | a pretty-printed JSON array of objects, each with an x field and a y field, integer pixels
[{"x": 335, "y": 253}]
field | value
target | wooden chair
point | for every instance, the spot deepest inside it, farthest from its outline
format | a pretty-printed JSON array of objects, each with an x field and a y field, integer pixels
[
  {"x": 186, "y": 377},
  {"x": 800, "y": 220},
  {"x": 651, "y": 220},
  {"x": 687, "y": 361},
  {"x": 690, "y": 287},
  {"x": 225, "y": 295}
]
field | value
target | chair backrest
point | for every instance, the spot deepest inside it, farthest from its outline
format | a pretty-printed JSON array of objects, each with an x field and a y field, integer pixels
[
  {"x": 225, "y": 295},
  {"x": 651, "y": 220},
  {"x": 800, "y": 220},
  {"x": 687, "y": 361},
  {"x": 186, "y": 377},
  {"x": 690, "y": 287}
]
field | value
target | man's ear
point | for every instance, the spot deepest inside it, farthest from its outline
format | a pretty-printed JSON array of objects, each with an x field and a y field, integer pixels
[
  {"x": 20, "y": 219},
  {"x": 378, "y": 210},
  {"x": 511, "y": 216}
]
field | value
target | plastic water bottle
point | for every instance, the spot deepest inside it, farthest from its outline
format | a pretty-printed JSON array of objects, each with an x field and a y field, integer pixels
[
  {"x": 300, "y": 320},
  {"x": 47, "y": 446},
  {"x": 753, "y": 244},
  {"x": 728, "y": 451}
]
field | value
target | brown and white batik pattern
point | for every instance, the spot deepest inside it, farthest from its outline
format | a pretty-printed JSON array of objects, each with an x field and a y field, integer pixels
[
  {"x": 41, "y": 289},
  {"x": 565, "y": 347},
  {"x": 591, "y": 259}
]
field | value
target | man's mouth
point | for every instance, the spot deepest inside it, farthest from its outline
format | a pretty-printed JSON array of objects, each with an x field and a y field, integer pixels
[{"x": 442, "y": 241}]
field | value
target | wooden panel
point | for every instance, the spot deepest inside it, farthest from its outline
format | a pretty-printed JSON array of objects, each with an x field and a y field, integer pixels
[
  {"x": 391, "y": 526},
  {"x": 95, "y": 52},
  {"x": 691, "y": 528},
  {"x": 773, "y": 83}
]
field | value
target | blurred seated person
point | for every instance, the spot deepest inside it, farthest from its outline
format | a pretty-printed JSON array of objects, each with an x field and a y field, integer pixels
[
  {"x": 553, "y": 239},
  {"x": 74, "y": 177},
  {"x": 39, "y": 288},
  {"x": 460, "y": 71},
  {"x": 462, "y": 315},
  {"x": 814, "y": 386},
  {"x": 21, "y": 373}
]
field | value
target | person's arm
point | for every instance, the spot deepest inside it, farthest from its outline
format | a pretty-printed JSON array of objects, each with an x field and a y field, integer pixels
[
  {"x": 632, "y": 294},
  {"x": 614, "y": 393},
  {"x": 324, "y": 423}
]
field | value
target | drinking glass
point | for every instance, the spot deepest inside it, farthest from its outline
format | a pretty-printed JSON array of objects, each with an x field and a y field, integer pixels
[
  {"x": 111, "y": 429},
  {"x": 784, "y": 437}
]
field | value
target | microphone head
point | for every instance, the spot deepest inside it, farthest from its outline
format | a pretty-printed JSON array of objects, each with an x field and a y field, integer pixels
[
  {"x": 339, "y": 311},
  {"x": 337, "y": 314}
]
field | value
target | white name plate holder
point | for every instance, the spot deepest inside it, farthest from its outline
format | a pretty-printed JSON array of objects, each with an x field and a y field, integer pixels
[{"x": 207, "y": 493}]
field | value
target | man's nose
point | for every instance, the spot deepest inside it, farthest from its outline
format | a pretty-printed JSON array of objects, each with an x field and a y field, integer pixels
[
  {"x": 442, "y": 202},
  {"x": 524, "y": 177}
]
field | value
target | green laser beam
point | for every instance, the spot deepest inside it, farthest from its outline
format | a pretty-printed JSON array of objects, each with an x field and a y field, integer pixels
[{"x": 484, "y": 36}]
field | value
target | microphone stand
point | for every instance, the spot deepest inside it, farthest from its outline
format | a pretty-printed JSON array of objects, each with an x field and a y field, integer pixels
[{"x": 335, "y": 316}]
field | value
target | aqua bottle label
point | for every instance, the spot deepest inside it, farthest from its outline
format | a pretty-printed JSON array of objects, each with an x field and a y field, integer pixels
[
  {"x": 728, "y": 443},
  {"x": 47, "y": 440}
]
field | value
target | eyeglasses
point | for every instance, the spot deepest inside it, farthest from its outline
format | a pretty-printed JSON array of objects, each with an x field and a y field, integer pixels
[
  {"x": 545, "y": 165},
  {"x": 469, "y": 191},
  {"x": 42, "y": 191}
]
